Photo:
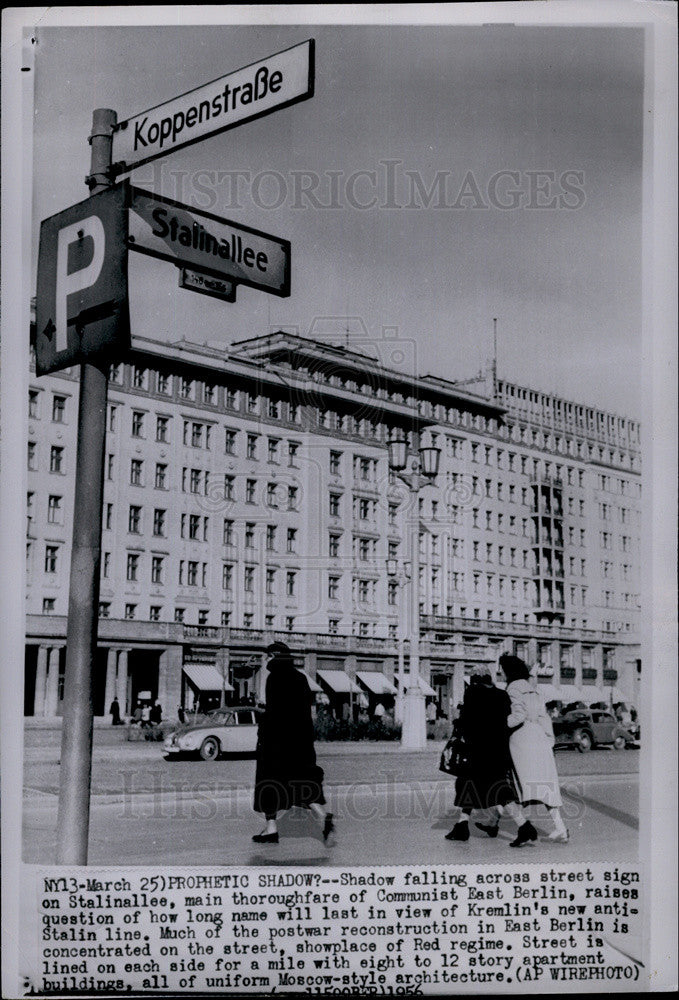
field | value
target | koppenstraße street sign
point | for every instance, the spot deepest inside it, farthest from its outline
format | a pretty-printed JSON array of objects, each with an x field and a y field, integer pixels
[
  {"x": 243, "y": 95},
  {"x": 190, "y": 238},
  {"x": 81, "y": 302},
  {"x": 218, "y": 288}
]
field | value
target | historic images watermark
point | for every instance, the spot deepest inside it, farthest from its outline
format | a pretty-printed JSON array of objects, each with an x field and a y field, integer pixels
[{"x": 387, "y": 185}]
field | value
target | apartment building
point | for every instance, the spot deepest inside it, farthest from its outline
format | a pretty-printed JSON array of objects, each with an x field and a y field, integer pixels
[{"x": 248, "y": 497}]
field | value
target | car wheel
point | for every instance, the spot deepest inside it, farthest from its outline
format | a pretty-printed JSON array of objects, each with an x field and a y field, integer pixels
[
  {"x": 619, "y": 742},
  {"x": 583, "y": 740},
  {"x": 209, "y": 749}
]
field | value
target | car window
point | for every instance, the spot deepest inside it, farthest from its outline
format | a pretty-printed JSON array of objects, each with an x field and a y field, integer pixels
[{"x": 245, "y": 717}]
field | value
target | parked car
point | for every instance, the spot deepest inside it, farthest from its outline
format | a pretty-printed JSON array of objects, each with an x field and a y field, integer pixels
[
  {"x": 223, "y": 730},
  {"x": 588, "y": 728}
]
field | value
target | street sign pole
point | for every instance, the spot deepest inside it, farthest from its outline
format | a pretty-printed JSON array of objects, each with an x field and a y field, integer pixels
[{"x": 73, "y": 818}]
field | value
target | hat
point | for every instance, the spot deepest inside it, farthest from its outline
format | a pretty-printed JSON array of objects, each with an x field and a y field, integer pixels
[{"x": 278, "y": 649}]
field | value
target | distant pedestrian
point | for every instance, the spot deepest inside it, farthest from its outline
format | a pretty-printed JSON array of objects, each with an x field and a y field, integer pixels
[
  {"x": 287, "y": 773},
  {"x": 115, "y": 713},
  {"x": 156, "y": 714},
  {"x": 181, "y": 714},
  {"x": 137, "y": 714},
  {"x": 531, "y": 744},
  {"x": 145, "y": 715}
]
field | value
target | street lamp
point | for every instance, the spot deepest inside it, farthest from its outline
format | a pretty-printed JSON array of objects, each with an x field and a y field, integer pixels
[
  {"x": 425, "y": 467},
  {"x": 401, "y": 577}
]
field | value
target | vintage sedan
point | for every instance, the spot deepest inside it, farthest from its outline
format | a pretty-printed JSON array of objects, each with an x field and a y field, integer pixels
[
  {"x": 231, "y": 729},
  {"x": 585, "y": 729}
]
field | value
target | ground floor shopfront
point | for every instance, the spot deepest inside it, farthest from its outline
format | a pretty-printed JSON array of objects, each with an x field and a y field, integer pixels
[{"x": 200, "y": 666}]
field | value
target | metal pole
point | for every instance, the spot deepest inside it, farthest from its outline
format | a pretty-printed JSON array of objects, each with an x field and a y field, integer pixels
[
  {"x": 73, "y": 818},
  {"x": 414, "y": 731}
]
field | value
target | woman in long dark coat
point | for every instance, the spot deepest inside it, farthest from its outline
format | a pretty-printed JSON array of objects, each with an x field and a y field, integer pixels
[
  {"x": 489, "y": 783},
  {"x": 287, "y": 773}
]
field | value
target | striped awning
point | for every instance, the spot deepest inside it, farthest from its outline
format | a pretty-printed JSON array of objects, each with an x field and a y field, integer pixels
[
  {"x": 375, "y": 681},
  {"x": 338, "y": 681},
  {"x": 423, "y": 685},
  {"x": 315, "y": 688},
  {"x": 206, "y": 677}
]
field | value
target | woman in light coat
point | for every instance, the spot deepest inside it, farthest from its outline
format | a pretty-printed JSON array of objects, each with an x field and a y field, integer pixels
[{"x": 531, "y": 744}]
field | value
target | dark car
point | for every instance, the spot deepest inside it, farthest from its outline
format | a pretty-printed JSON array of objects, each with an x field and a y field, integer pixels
[{"x": 588, "y": 728}]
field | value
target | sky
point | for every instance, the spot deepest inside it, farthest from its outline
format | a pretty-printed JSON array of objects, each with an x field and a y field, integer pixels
[{"x": 379, "y": 251}]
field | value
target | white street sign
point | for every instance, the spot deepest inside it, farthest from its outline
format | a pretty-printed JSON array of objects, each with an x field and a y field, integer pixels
[
  {"x": 265, "y": 86},
  {"x": 190, "y": 238}
]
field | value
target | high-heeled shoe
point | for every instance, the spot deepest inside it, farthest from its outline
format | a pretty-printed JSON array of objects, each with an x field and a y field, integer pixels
[
  {"x": 328, "y": 826},
  {"x": 488, "y": 828},
  {"x": 266, "y": 838},
  {"x": 526, "y": 834},
  {"x": 459, "y": 832}
]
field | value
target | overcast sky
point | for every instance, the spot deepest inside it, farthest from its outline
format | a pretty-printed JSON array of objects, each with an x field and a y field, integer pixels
[{"x": 462, "y": 103}]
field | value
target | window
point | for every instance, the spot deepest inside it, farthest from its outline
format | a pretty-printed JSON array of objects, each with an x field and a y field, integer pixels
[
  {"x": 249, "y": 579},
  {"x": 227, "y": 534},
  {"x": 136, "y": 472},
  {"x": 273, "y": 409},
  {"x": 110, "y": 467},
  {"x": 162, "y": 427},
  {"x": 32, "y": 459},
  {"x": 273, "y": 450},
  {"x": 179, "y": 614},
  {"x": 290, "y": 579},
  {"x": 164, "y": 385},
  {"x": 157, "y": 566},
  {"x": 393, "y": 508},
  {"x": 154, "y": 613},
  {"x": 159, "y": 522},
  {"x": 292, "y": 497},
  {"x": 250, "y": 487},
  {"x": 227, "y": 576},
  {"x": 228, "y": 487},
  {"x": 203, "y": 614},
  {"x": 249, "y": 536},
  {"x": 134, "y": 520},
  {"x": 392, "y": 593},
  {"x": 230, "y": 442},
  {"x": 335, "y": 462},
  {"x": 291, "y": 540},
  {"x": 132, "y": 566},
  {"x": 106, "y": 565},
  {"x": 58, "y": 409},
  {"x": 248, "y": 619},
  {"x": 293, "y": 448},
  {"x": 271, "y": 581},
  {"x": 139, "y": 378},
  {"x": 333, "y": 545},
  {"x": 294, "y": 413},
  {"x": 209, "y": 394},
  {"x": 363, "y": 591},
  {"x": 48, "y": 605},
  {"x": 51, "y": 553},
  {"x": 251, "y": 449},
  {"x": 192, "y": 573},
  {"x": 194, "y": 527},
  {"x": 108, "y": 521},
  {"x": 231, "y": 399},
  {"x": 251, "y": 402},
  {"x": 226, "y": 618},
  {"x": 271, "y": 498},
  {"x": 194, "y": 480},
  {"x": 160, "y": 481},
  {"x": 56, "y": 458},
  {"x": 33, "y": 397},
  {"x": 333, "y": 626},
  {"x": 54, "y": 510},
  {"x": 271, "y": 537},
  {"x": 115, "y": 374},
  {"x": 333, "y": 587},
  {"x": 186, "y": 388},
  {"x": 335, "y": 504},
  {"x": 137, "y": 424},
  {"x": 104, "y": 609}
]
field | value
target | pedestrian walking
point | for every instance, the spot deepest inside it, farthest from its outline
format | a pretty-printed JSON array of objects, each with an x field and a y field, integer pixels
[
  {"x": 145, "y": 715},
  {"x": 115, "y": 713},
  {"x": 287, "y": 773},
  {"x": 181, "y": 714},
  {"x": 156, "y": 714},
  {"x": 531, "y": 745},
  {"x": 488, "y": 782}
]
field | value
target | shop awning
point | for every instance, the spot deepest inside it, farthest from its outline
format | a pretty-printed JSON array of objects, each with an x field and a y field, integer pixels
[
  {"x": 568, "y": 693},
  {"x": 375, "y": 681},
  {"x": 591, "y": 694},
  {"x": 315, "y": 688},
  {"x": 424, "y": 686},
  {"x": 338, "y": 681},
  {"x": 206, "y": 677}
]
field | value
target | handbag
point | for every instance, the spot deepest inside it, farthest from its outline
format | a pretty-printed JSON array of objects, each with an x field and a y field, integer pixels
[{"x": 455, "y": 758}]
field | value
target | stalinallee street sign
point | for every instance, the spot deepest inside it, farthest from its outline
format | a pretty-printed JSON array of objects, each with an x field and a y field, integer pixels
[{"x": 188, "y": 237}]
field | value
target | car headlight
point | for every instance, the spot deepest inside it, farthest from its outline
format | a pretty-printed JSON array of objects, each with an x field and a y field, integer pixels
[{"x": 185, "y": 742}]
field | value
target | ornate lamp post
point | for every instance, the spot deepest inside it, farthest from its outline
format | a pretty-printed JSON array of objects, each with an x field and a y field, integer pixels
[
  {"x": 400, "y": 573},
  {"x": 424, "y": 469}
]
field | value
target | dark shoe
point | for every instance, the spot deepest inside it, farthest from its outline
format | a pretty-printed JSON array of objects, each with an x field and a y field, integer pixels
[
  {"x": 527, "y": 833},
  {"x": 489, "y": 829},
  {"x": 459, "y": 832},
  {"x": 265, "y": 838},
  {"x": 328, "y": 826}
]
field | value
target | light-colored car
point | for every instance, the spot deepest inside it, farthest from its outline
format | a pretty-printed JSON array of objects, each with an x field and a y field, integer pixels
[{"x": 224, "y": 730}]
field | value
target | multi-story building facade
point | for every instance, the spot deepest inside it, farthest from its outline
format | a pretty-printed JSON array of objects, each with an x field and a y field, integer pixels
[{"x": 248, "y": 497}]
